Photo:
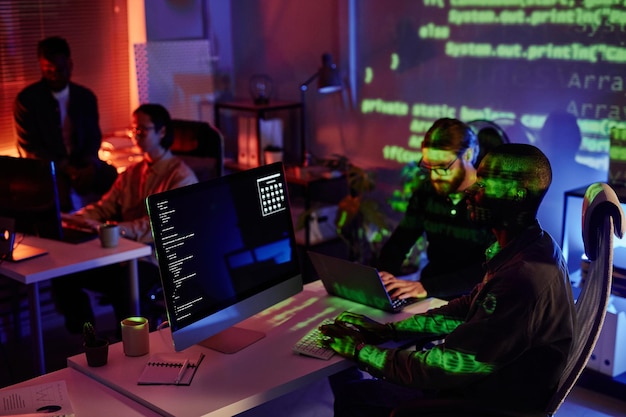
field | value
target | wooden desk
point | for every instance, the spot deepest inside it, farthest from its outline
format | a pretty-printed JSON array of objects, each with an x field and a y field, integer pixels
[
  {"x": 89, "y": 397},
  {"x": 226, "y": 385},
  {"x": 66, "y": 258}
]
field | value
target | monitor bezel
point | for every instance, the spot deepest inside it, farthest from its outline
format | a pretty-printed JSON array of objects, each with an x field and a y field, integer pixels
[
  {"x": 42, "y": 217},
  {"x": 206, "y": 331}
]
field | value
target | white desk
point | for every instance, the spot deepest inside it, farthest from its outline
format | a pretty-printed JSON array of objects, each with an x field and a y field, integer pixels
[
  {"x": 225, "y": 385},
  {"x": 89, "y": 397},
  {"x": 66, "y": 258}
]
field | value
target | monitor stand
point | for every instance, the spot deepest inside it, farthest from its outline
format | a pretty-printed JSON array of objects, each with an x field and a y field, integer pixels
[{"x": 232, "y": 339}]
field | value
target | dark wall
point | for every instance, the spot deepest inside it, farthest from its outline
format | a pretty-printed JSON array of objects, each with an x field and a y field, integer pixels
[{"x": 395, "y": 56}]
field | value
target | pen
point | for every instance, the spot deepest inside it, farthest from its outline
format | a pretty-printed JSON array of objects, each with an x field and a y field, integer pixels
[{"x": 183, "y": 367}]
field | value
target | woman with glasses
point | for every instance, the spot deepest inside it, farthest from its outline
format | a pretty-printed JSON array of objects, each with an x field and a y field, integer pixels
[{"x": 455, "y": 245}]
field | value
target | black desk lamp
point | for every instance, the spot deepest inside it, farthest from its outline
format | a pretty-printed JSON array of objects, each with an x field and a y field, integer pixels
[{"x": 328, "y": 81}]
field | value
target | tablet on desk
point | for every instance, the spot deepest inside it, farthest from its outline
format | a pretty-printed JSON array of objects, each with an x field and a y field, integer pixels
[{"x": 22, "y": 252}]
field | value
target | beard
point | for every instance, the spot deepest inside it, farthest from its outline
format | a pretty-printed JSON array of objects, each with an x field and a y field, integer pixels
[{"x": 451, "y": 185}]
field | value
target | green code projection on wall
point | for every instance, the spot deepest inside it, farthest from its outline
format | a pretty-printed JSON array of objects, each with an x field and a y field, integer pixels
[
  {"x": 549, "y": 72},
  {"x": 512, "y": 61}
]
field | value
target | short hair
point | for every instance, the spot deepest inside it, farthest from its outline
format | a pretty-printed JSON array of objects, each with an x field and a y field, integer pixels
[
  {"x": 161, "y": 118},
  {"x": 53, "y": 46},
  {"x": 524, "y": 163},
  {"x": 450, "y": 135}
]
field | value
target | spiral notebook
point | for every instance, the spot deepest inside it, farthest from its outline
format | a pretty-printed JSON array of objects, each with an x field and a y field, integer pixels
[{"x": 170, "y": 369}]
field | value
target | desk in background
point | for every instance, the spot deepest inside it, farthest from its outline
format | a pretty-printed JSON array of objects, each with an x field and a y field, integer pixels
[
  {"x": 230, "y": 384},
  {"x": 66, "y": 258}
]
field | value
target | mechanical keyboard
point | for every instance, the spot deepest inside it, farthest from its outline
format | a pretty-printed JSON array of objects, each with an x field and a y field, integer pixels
[{"x": 309, "y": 344}]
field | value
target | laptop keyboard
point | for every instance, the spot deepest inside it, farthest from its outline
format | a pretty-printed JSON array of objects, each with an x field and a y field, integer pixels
[
  {"x": 398, "y": 303},
  {"x": 309, "y": 344}
]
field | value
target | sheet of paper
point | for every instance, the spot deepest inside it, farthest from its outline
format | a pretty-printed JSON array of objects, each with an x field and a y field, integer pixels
[{"x": 43, "y": 400}]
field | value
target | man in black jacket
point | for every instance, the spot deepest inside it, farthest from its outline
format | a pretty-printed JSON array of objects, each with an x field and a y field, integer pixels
[
  {"x": 506, "y": 342},
  {"x": 57, "y": 120}
]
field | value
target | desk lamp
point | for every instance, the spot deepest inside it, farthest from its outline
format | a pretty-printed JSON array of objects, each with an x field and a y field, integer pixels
[{"x": 328, "y": 81}]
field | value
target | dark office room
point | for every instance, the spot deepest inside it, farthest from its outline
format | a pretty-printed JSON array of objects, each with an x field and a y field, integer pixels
[{"x": 325, "y": 114}]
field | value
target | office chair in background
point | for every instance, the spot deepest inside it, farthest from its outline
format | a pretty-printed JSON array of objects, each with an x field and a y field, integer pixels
[
  {"x": 201, "y": 146},
  {"x": 602, "y": 216}
]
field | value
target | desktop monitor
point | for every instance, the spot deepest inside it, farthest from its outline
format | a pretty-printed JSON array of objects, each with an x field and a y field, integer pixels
[
  {"x": 226, "y": 251},
  {"x": 28, "y": 194}
]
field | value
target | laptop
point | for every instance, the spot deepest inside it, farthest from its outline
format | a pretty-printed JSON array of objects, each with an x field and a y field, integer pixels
[
  {"x": 355, "y": 282},
  {"x": 12, "y": 251}
]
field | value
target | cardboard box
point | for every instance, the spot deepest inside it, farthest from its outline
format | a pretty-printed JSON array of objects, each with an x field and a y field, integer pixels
[{"x": 609, "y": 354}]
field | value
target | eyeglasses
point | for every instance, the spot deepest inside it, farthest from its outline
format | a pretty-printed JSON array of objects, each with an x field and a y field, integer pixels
[
  {"x": 141, "y": 130},
  {"x": 440, "y": 170}
]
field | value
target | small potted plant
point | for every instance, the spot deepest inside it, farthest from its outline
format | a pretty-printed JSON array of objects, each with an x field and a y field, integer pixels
[{"x": 96, "y": 349}]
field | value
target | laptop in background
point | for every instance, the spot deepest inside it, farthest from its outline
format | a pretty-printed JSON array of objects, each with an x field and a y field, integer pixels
[
  {"x": 12, "y": 251},
  {"x": 29, "y": 195},
  {"x": 355, "y": 282}
]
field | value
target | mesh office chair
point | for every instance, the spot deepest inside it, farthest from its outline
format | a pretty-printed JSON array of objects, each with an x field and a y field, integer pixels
[
  {"x": 201, "y": 146},
  {"x": 602, "y": 216}
]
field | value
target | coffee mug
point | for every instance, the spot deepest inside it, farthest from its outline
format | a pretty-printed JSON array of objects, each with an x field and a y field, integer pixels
[
  {"x": 135, "y": 336},
  {"x": 109, "y": 235}
]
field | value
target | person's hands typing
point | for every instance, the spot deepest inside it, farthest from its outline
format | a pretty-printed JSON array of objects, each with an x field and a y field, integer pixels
[
  {"x": 401, "y": 288},
  {"x": 350, "y": 331},
  {"x": 80, "y": 222},
  {"x": 344, "y": 339},
  {"x": 372, "y": 331}
]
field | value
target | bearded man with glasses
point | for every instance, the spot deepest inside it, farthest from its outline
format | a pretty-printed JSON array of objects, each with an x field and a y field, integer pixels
[{"x": 455, "y": 245}]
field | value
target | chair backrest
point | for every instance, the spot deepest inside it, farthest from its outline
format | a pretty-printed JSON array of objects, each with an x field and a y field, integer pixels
[
  {"x": 200, "y": 145},
  {"x": 601, "y": 217}
]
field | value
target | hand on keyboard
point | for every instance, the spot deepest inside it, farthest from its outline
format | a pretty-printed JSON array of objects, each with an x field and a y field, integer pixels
[
  {"x": 80, "y": 222},
  {"x": 310, "y": 344}
]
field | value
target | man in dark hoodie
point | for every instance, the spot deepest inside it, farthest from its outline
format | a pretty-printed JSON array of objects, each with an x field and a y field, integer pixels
[{"x": 506, "y": 342}]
